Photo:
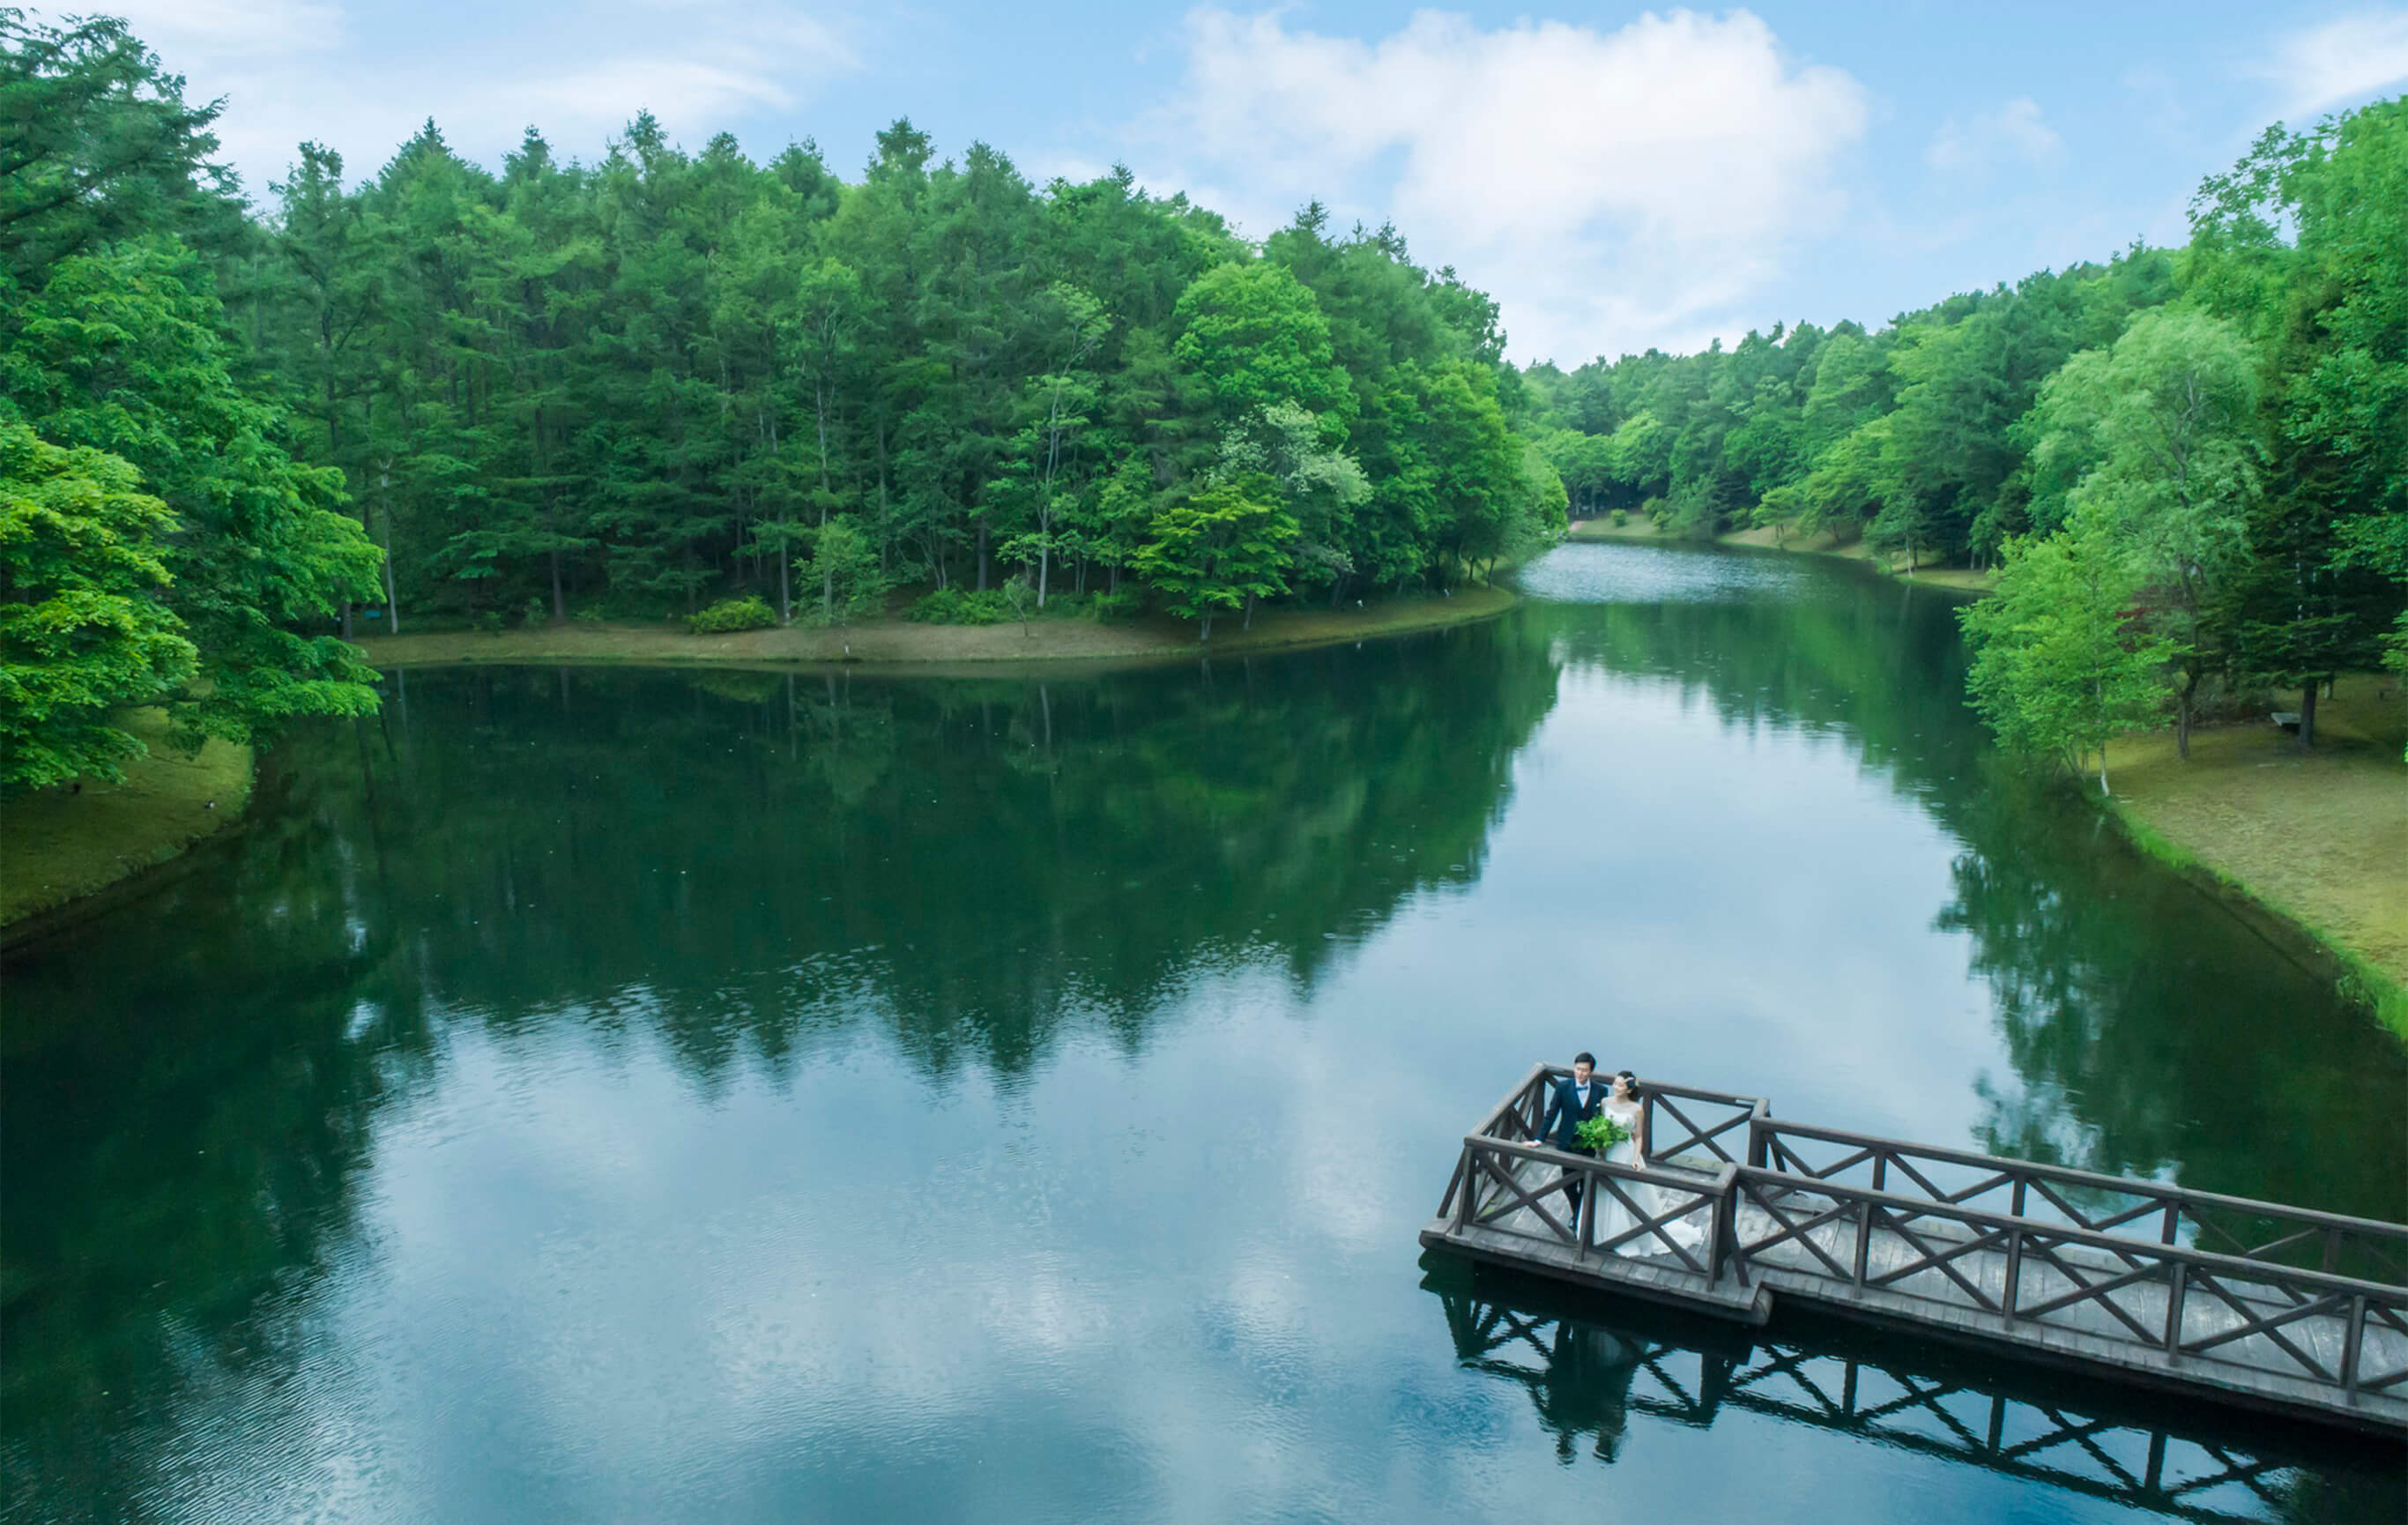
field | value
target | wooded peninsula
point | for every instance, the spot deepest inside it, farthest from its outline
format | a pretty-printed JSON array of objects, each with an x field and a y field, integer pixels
[{"x": 244, "y": 429}]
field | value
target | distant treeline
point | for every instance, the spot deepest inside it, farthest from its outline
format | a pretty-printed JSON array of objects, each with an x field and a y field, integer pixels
[
  {"x": 2190, "y": 465},
  {"x": 1907, "y": 434}
]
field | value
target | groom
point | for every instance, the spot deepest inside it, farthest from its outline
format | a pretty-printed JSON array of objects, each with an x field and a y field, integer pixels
[{"x": 1576, "y": 1100}]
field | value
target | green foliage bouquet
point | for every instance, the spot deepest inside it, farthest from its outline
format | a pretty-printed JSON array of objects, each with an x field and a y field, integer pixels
[{"x": 1601, "y": 1133}]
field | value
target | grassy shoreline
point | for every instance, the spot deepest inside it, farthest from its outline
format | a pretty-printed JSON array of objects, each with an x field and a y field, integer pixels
[
  {"x": 2311, "y": 849},
  {"x": 2316, "y": 842},
  {"x": 2299, "y": 938},
  {"x": 889, "y": 642},
  {"x": 1823, "y": 544},
  {"x": 61, "y": 847},
  {"x": 63, "y": 850}
]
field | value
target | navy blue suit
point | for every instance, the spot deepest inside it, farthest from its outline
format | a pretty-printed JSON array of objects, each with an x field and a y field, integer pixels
[
  {"x": 1566, "y": 1112},
  {"x": 1560, "y": 1126}
]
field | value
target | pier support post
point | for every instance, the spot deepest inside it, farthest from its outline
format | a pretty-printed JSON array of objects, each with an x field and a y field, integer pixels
[
  {"x": 2013, "y": 1285},
  {"x": 2175, "y": 1291},
  {"x": 2351, "y": 1339}
]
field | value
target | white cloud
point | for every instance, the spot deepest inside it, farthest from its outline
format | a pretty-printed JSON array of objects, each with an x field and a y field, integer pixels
[
  {"x": 1613, "y": 188},
  {"x": 190, "y": 35},
  {"x": 2339, "y": 62},
  {"x": 2013, "y": 131},
  {"x": 362, "y": 80},
  {"x": 2160, "y": 102}
]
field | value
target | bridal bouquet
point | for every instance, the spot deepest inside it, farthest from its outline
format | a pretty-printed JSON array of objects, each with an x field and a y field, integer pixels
[{"x": 1601, "y": 1133}]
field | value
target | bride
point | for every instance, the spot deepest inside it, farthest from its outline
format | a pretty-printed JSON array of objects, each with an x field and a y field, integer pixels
[{"x": 1623, "y": 1104}]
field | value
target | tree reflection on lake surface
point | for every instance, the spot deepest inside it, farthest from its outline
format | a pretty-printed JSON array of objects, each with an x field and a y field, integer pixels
[{"x": 750, "y": 1095}]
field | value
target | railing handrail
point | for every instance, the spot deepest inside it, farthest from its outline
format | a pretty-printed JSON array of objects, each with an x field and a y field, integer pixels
[
  {"x": 1754, "y": 1108},
  {"x": 1542, "y": 1149},
  {"x": 1682, "y": 1178},
  {"x": 1645, "y": 1085},
  {"x": 2073, "y": 1175},
  {"x": 2066, "y": 1175},
  {"x": 2231, "y": 1265},
  {"x": 1665, "y": 1087},
  {"x": 1497, "y": 1113}
]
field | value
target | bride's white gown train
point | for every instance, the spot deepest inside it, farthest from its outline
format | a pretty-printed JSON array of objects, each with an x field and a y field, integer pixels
[{"x": 1614, "y": 1218}]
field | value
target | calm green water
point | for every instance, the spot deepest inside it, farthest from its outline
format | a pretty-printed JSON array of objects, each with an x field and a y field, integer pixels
[{"x": 644, "y": 1096}]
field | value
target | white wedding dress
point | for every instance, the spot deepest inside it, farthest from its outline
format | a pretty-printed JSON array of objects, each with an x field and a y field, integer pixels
[{"x": 1614, "y": 1218}]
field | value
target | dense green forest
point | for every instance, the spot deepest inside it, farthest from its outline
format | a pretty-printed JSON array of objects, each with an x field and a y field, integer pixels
[
  {"x": 241, "y": 427},
  {"x": 633, "y": 386},
  {"x": 2190, "y": 465}
]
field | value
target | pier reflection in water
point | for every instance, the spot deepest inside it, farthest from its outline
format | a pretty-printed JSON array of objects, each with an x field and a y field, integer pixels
[{"x": 1598, "y": 1369}]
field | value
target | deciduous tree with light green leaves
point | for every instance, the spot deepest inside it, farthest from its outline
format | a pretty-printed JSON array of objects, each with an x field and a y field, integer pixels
[
  {"x": 83, "y": 561},
  {"x": 1252, "y": 337},
  {"x": 122, "y": 351},
  {"x": 845, "y": 565},
  {"x": 1221, "y": 549},
  {"x": 1319, "y": 486},
  {"x": 2155, "y": 440},
  {"x": 2062, "y": 661}
]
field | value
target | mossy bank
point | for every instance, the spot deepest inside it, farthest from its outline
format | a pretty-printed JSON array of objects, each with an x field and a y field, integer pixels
[
  {"x": 2320, "y": 838},
  {"x": 60, "y": 846}
]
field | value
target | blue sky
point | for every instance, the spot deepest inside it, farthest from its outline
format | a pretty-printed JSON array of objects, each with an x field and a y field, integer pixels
[{"x": 1617, "y": 176}]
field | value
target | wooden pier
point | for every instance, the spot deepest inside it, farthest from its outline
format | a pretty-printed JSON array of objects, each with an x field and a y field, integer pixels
[{"x": 2255, "y": 1303}]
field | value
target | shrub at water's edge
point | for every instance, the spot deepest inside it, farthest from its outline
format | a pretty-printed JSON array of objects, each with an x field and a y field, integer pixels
[
  {"x": 960, "y": 606},
  {"x": 747, "y": 612}
]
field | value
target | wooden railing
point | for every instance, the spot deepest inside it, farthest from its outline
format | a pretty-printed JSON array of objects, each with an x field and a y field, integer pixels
[
  {"x": 1657, "y": 1200},
  {"x": 2361, "y": 1248},
  {"x": 1491, "y": 1186},
  {"x": 1686, "y": 1123},
  {"x": 2280, "y": 1292},
  {"x": 2175, "y": 1299},
  {"x": 1682, "y": 1121}
]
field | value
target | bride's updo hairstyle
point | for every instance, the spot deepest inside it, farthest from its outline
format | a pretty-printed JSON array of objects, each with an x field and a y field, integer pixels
[{"x": 1630, "y": 1083}]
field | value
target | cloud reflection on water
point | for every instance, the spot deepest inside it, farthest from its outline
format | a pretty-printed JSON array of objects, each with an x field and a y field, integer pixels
[{"x": 739, "y": 1098}]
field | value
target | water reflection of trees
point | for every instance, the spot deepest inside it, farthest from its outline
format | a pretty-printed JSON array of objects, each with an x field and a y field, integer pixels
[
  {"x": 979, "y": 862},
  {"x": 2162, "y": 1023},
  {"x": 1595, "y": 1370},
  {"x": 184, "y": 1122},
  {"x": 738, "y": 864},
  {"x": 2148, "y": 1028}
]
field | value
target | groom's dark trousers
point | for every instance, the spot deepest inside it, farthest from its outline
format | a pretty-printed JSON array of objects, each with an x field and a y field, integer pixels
[{"x": 1566, "y": 1108}]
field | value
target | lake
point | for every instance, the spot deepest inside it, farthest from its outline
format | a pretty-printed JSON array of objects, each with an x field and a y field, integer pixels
[{"x": 612, "y": 1094}]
